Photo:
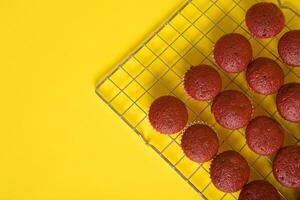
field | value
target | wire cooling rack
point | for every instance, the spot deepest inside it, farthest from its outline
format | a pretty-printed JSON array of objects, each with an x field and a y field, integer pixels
[{"x": 157, "y": 67}]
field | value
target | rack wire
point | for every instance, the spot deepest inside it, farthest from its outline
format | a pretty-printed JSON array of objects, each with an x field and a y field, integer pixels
[{"x": 157, "y": 67}]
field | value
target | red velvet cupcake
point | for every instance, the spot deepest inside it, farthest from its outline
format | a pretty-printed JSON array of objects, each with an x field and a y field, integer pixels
[
  {"x": 286, "y": 166},
  {"x": 202, "y": 83},
  {"x": 200, "y": 143},
  {"x": 168, "y": 115},
  {"x": 232, "y": 52},
  {"x": 264, "y": 135},
  {"x": 232, "y": 109},
  {"x": 289, "y": 48},
  {"x": 264, "y": 76},
  {"x": 229, "y": 171},
  {"x": 259, "y": 190},
  {"x": 264, "y": 20},
  {"x": 288, "y": 102}
]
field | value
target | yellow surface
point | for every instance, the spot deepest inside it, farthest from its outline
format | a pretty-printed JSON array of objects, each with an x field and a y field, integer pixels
[{"x": 58, "y": 139}]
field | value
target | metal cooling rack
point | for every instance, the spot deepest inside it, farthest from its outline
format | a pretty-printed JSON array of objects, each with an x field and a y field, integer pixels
[{"x": 157, "y": 67}]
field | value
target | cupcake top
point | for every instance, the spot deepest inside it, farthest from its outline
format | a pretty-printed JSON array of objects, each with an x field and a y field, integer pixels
[
  {"x": 264, "y": 76},
  {"x": 259, "y": 189},
  {"x": 286, "y": 166},
  {"x": 289, "y": 48},
  {"x": 264, "y": 135},
  {"x": 200, "y": 143},
  {"x": 202, "y": 82},
  {"x": 264, "y": 20},
  {"x": 232, "y": 109},
  {"x": 288, "y": 102},
  {"x": 229, "y": 171},
  {"x": 232, "y": 52},
  {"x": 168, "y": 115}
]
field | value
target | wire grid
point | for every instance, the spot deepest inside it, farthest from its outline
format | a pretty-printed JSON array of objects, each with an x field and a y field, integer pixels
[{"x": 157, "y": 67}]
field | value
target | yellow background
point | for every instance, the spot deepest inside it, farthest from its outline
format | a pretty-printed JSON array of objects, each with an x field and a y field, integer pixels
[{"x": 58, "y": 139}]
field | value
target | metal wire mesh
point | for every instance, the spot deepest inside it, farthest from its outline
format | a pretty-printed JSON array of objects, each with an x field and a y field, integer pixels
[{"x": 157, "y": 67}]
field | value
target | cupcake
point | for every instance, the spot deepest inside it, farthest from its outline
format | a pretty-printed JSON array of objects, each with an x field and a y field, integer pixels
[
  {"x": 232, "y": 109},
  {"x": 264, "y": 135},
  {"x": 200, "y": 143},
  {"x": 168, "y": 115},
  {"x": 289, "y": 48},
  {"x": 229, "y": 171},
  {"x": 232, "y": 52},
  {"x": 288, "y": 102},
  {"x": 202, "y": 83},
  {"x": 264, "y": 76},
  {"x": 264, "y": 20},
  {"x": 259, "y": 189},
  {"x": 286, "y": 166}
]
